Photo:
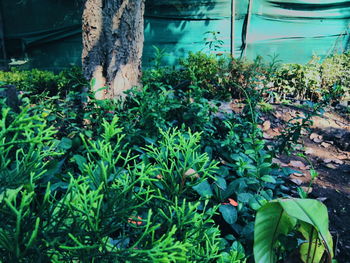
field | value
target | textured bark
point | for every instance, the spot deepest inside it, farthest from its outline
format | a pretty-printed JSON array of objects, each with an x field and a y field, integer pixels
[{"x": 112, "y": 44}]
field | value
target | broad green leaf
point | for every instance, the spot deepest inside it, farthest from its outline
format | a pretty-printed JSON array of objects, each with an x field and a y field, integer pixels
[
  {"x": 311, "y": 251},
  {"x": 312, "y": 212},
  {"x": 229, "y": 213},
  {"x": 271, "y": 221}
]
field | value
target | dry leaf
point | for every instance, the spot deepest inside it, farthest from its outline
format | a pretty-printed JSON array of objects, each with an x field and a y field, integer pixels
[
  {"x": 309, "y": 151},
  {"x": 331, "y": 166},
  {"x": 296, "y": 181},
  {"x": 192, "y": 173},
  {"x": 337, "y": 161},
  {"x": 313, "y": 136},
  {"x": 266, "y": 125},
  {"x": 317, "y": 140},
  {"x": 267, "y": 136},
  {"x": 306, "y": 189},
  {"x": 298, "y": 164},
  {"x": 342, "y": 157},
  {"x": 298, "y": 174},
  {"x": 325, "y": 144}
]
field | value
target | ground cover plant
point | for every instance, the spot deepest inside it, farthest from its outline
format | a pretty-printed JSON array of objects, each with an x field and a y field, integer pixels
[{"x": 166, "y": 175}]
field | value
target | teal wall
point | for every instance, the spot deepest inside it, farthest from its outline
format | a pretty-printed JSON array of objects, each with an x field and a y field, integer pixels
[{"x": 48, "y": 31}]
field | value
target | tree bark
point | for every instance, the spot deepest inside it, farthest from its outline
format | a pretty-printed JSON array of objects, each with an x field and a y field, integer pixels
[{"x": 113, "y": 35}]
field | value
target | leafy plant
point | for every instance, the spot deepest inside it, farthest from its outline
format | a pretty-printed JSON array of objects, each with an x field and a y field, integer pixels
[{"x": 280, "y": 217}]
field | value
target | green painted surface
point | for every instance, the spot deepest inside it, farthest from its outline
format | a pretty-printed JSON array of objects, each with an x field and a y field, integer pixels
[{"x": 48, "y": 31}]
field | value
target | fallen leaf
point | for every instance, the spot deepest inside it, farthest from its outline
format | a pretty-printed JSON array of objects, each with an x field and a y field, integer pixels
[
  {"x": 277, "y": 114},
  {"x": 331, "y": 166},
  {"x": 298, "y": 164},
  {"x": 309, "y": 151},
  {"x": 321, "y": 199},
  {"x": 298, "y": 174},
  {"x": 233, "y": 202},
  {"x": 266, "y": 125},
  {"x": 267, "y": 136},
  {"x": 317, "y": 140},
  {"x": 306, "y": 189},
  {"x": 276, "y": 132},
  {"x": 313, "y": 136},
  {"x": 296, "y": 181},
  {"x": 192, "y": 173},
  {"x": 325, "y": 144},
  {"x": 277, "y": 161},
  {"x": 342, "y": 157},
  {"x": 337, "y": 161}
]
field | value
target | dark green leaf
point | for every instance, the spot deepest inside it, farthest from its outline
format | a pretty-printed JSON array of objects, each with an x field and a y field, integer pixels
[
  {"x": 65, "y": 143},
  {"x": 203, "y": 189},
  {"x": 268, "y": 179},
  {"x": 229, "y": 213}
]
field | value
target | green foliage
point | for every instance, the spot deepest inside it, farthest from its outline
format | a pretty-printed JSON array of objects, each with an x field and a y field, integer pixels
[
  {"x": 315, "y": 79},
  {"x": 166, "y": 175},
  {"x": 279, "y": 217},
  {"x": 26, "y": 143},
  {"x": 113, "y": 207},
  {"x": 38, "y": 82}
]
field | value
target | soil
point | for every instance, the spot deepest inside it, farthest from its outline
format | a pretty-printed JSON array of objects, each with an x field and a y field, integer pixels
[{"x": 327, "y": 148}]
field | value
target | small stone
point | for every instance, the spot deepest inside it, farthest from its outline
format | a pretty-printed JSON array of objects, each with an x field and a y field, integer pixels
[{"x": 327, "y": 160}]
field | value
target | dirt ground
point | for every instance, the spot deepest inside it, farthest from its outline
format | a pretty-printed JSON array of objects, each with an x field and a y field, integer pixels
[{"x": 328, "y": 150}]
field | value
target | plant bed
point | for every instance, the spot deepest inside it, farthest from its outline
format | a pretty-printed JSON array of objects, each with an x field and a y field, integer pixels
[{"x": 190, "y": 158}]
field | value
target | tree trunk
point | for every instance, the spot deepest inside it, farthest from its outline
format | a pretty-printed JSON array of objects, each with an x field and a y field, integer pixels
[{"x": 112, "y": 45}]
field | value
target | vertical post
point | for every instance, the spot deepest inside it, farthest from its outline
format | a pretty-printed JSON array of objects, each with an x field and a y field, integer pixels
[
  {"x": 2, "y": 42},
  {"x": 233, "y": 20},
  {"x": 247, "y": 36}
]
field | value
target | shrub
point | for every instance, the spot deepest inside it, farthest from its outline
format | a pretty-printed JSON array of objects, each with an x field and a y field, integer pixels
[{"x": 114, "y": 208}]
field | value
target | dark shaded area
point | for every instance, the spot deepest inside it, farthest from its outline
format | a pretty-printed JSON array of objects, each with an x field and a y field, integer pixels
[{"x": 10, "y": 94}]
